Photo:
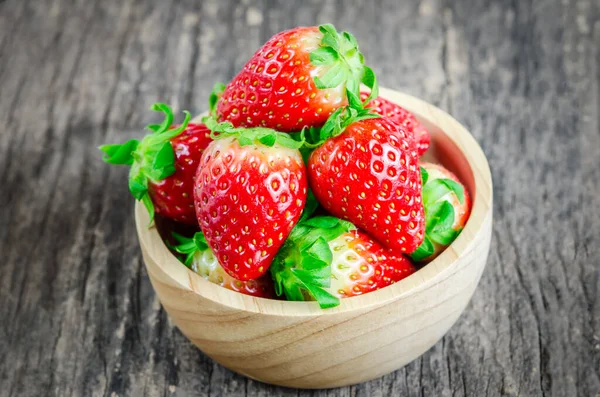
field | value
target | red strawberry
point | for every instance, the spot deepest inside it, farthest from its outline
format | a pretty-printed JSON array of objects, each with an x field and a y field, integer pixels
[
  {"x": 296, "y": 80},
  {"x": 250, "y": 190},
  {"x": 200, "y": 259},
  {"x": 173, "y": 196},
  {"x": 447, "y": 207},
  {"x": 163, "y": 165},
  {"x": 401, "y": 116},
  {"x": 369, "y": 175},
  {"x": 324, "y": 259}
]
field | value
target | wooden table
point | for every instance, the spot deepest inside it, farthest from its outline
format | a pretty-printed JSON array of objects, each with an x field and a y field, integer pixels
[{"x": 78, "y": 314}]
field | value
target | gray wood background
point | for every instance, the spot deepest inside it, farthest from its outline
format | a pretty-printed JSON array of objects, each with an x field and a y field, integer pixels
[{"x": 78, "y": 315}]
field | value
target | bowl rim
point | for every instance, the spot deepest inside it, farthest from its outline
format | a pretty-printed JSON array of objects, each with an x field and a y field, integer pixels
[{"x": 187, "y": 280}]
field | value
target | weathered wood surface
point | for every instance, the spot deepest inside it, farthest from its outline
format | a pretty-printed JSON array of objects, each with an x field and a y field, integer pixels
[{"x": 78, "y": 315}]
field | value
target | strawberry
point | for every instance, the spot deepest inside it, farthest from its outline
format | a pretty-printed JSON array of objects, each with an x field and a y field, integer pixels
[
  {"x": 296, "y": 80},
  {"x": 401, "y": 116},
  {"x": 360, "y": 265},
  {"x": 163, "y": 165},
  {"x": 200, "y": 259},
  {"x": 326, "y": 258},
  {"x": 249, "y": 192},
  {"x": 368, "y": 174},
  {"x": 447, "y": 206}
]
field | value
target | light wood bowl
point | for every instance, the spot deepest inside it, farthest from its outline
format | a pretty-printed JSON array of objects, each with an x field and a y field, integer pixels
[{"x": 297, "y": 344}]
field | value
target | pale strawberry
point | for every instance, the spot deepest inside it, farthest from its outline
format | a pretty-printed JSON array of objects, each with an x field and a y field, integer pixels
[
  {"x": 326, "y": 258},
  {"x": 200, "y": 259},
  {"x": 447, "y": 207},
  {"x": 361, "y": 265}
]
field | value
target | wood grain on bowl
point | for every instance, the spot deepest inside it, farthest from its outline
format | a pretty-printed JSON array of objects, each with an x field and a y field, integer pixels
[{"x": 297, "y": 344}]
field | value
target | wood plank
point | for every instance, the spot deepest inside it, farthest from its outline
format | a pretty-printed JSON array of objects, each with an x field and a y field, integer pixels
[
  {"x": 79, "y": 316},
  {"x": 527, "y": 105}
]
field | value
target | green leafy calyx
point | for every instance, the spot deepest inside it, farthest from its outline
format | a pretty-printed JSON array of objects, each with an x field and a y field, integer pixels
[
  {"x": 343, "y": 63},
  {"x": 339, "y": 121},
  {"x": 151, "y": 159},
  {"x": 424, "y": 176},
  {"x": 439, "y": 214},
  {"x": 214, "y": 97},
  {"x": 251, "y": 136},
  {"x": 189, "y": 246},
  {"x": 302, "y": 268}
]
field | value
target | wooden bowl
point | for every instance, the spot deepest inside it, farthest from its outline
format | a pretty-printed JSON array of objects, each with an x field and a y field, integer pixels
[{"x": 297, "y": 344}]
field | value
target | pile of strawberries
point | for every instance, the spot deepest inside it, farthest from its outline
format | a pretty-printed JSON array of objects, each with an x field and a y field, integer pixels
[{"x": 298, "y": 184}]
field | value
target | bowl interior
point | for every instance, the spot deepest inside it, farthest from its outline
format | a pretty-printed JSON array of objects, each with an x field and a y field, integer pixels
[{"x": 451, "y": 145}]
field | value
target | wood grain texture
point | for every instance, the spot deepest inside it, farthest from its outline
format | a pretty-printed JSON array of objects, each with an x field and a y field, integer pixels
[{"x": 78, "y": 316}]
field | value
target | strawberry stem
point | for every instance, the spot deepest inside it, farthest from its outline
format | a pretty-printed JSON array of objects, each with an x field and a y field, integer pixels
[
  {"x": 189, "y": 246},
  {"x": 151, "y": 159},
  {"x": 213, "y": 99},
  {"x": 340, "y": 120},
  {"x": 343, "y": 64},
  {"x": 302, "y": 267},
  {"x": 439, "y": 214}
]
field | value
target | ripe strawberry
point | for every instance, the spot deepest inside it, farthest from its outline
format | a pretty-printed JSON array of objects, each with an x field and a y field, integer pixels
[
  {"x": 447, "y": 207},
  {"x": 296, "y": 80},
  {"x": 326, "y": 258},
  {"x": 249, "y": 192},
  {"x": 163, "y": 165},
  {"x": 401, "y": 116},
  {"x": 200, "y": 259},
  {"x": 369, "y": 174}
]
